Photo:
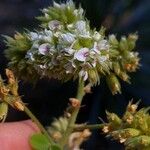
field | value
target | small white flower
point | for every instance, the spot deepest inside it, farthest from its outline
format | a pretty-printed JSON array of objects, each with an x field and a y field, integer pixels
[
  {"x": 95, "y": 48},
  {"x": 34, "y": 36},
  {"x": 47, "y": 35},
  {"x": 96, "y": 36},
  {"x": 103, "y": 45},
  {"x": 70, "y": 26},
  {"x": 81, "y": 27},
  {"x": 54, "y": 25},
  {"x": 67, "y": 38},
  {"x": 29, "y": 55},
  {"x": 44, "y": 48},
  {"x": 82, "y": 54},
  {"x": 83, "y": 74},
  {"x": 57, "y": 34},
  {"x": 78, "y": 12},
  {"x": 69, "y": 50}
]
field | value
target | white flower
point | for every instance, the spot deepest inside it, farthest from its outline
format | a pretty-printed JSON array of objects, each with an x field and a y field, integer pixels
[
  {"x": 29, "y": 55},
  {"x": 67, "y": 38},
  {"x": 70, "y": 26},
  {"x": 81, "y": 29},
  {"x": 54, "y": 25},
  {"x": 82, "y": 54},
  {"x": 34, "y": 36},
  {"x": 96, "y": 36},
  {"x": 48, "y": 35},
  {"x": 103, "y": 45},
  {"x": 95, "y": 48},
  {"x": 83, "y": 74},
  {"x": 78, "y": 12},
  {"x": 69, "y": 50},
  {"x": 44, "y": 48}
]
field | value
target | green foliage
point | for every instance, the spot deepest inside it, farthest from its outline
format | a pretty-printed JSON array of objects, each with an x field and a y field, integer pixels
[
  {"x": 132, "y": 129},
  {"x": 40, "y": 142}
]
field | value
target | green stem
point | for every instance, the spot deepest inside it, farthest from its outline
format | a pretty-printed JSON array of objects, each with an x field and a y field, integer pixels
[
  {"x": 72, "y": 120},
  {"x": 37, "y": 122},
  {"x": 33, "y": 118},
  {"x": 88, "y": 126}
]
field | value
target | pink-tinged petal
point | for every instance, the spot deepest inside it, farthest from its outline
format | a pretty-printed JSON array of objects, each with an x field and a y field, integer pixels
[
  {"x": 44, "y": 48},
  {"x": 82, "y": 54},
  {"x": 54, "y": 25}
]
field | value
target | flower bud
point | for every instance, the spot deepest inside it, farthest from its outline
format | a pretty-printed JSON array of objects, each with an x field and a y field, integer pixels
[
  {"x": 93, "y": 76},
  {"x": 113, "y": 40},
  {"x": 116, "y": 67},
  {"x": 124, "y": 76},
  {"x": 3, "y": 110},
  {"x": 114, "y": 119},
  {"x": 123, "y": 44},
  {"x": 113, "y": 84},
  {"x": 18, "y": 104},
  {"x": 132, "y": 38},
  {"x": 75, "y": 102},
  {"x": 135, "y": 142}
]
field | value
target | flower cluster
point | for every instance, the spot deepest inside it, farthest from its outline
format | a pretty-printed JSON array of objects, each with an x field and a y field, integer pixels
[
  {"x": 132, "y": 129},
  {"x": 66, "y": 48}
]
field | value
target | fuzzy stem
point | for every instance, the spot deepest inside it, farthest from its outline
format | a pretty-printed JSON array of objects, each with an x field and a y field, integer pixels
[
  {"x": 88, "y": 126},
  {"x": 33, "y": 118},
  {"x": 72, "y": 120}
]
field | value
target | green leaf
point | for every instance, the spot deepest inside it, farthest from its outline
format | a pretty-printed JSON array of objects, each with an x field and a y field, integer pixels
[
  {"x": 40, "y": 142},
  {"x": 55, "y": 147}
]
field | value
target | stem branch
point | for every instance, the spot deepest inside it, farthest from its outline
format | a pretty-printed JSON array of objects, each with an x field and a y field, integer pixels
[{"x": 72, "y": 120}]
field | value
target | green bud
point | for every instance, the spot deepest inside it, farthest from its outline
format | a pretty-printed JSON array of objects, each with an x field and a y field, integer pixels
[
  {"x": 123, "y": 44},
  {"x": 132, "y": 38},
  {"x": 124, "y": 76},
  {"x": 116, "y": 67},
  {"x": 93, "y": 76},
  {"x": 3, "y": 110},
  {"x": 139, "y": 141},
  {"x": 125, "y": 133},
  {"x": 113, "y": 40},
  {"x": 113, "y": 119},
  {"x": 113, "y": 84}
]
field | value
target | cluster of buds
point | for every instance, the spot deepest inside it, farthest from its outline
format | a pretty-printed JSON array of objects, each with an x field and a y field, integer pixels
[
  {"x": 132, "y": 129},
  {"x": 58, "y": 128},
  {"x": 66, "y": 48},
  {"x": 9, "y": 95}
]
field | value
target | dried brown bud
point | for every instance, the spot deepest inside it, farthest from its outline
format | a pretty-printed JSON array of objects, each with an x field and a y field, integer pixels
[
  {"x": 10, "y": 76},
  {"x": 122, "y": 140},
  {"x": 4, "y": 90},
  {"x": 86, "y": 133},
  {"x": 129, "y": 119},
  {"x": 75, "y": 102},
  {"x": 106, "y": 129},
  {"x": 18, "y": 104},
  {"x": 56, "y": 135}
]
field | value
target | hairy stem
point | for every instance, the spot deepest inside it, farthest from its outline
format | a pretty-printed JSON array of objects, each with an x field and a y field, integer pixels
[{"x": 72, "y": 120}]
